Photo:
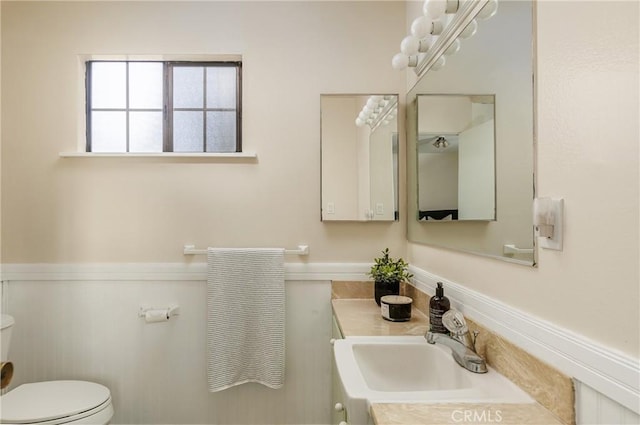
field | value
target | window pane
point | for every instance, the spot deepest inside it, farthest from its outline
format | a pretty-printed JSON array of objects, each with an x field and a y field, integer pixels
[
  {"x": 187, "y": 131},
  {"x": 221, "y": 131},
  {"x": 108, "y": 84},
  {"x": 145, "y": 85},
  {"x": 221, "y": 87},
  {"x": 145, "y": 132},
  {"x": 108, "y": 131},
  {"x": 188, "y": 87}
]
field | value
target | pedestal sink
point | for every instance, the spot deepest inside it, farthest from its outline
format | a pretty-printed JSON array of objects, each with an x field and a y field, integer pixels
[{"x": 406, "y": 369}]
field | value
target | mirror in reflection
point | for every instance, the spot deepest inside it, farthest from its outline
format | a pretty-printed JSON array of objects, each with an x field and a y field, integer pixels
[
  {"x": 359, "y": 157},
  {"x": 456, "y": 157}
]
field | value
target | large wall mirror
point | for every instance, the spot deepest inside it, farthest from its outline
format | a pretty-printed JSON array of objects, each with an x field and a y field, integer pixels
[
  {"x": 359, "y": 142},
  {"x": 486, "y": 86}
]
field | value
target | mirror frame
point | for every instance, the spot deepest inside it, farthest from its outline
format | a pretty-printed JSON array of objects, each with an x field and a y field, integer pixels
[
  {"x": 387, "y": 211},
  {"x": 470, "y": 236}
]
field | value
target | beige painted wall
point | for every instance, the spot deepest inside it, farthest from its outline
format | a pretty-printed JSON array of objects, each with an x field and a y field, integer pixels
[
  {"x": 587, "y": 113},
  {"x": 0, "y": 132},
  {"x": 130, "y": 210},
  {"x": 438, "y": 181}
]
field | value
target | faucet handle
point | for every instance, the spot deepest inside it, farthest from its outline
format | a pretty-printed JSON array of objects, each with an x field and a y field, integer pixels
[{"x": 454, "y": 321}]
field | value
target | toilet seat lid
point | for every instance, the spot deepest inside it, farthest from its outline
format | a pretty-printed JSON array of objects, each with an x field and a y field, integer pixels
[{"x": 46, "y": 401}]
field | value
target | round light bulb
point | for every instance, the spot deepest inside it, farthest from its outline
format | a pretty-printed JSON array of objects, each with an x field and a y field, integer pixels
[
  {"x": 400, "y": 61},
  {"x": 410, "y": 45},
  {"x": 434, "y": 8},
  {"x": 453, "y": 48},
  {"x": 488, "y": 10},
  {"x": 371, "y": 103},
  {"x": 439, "y": 63},
  {"x": 469, "y": 30},
  {"x": 421, "y": 27},
  {"x": 359, "y": 122}
]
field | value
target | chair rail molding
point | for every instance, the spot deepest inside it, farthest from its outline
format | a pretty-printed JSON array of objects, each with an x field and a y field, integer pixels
[
  {"x": 167, "y": 271},
  {"x": 609, "y": 372}
]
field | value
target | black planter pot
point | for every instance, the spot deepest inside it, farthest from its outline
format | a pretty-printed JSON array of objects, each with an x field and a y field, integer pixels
[{"x": 385, "y": 288}]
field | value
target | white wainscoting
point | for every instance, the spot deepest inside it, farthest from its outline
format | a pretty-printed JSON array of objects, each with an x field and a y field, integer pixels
[
  {"x": 603, "y": 371},
  {"x": 84, "y": 318},
  {"x": 598, "y": 409},
  {"x": 81, "y": 322}
]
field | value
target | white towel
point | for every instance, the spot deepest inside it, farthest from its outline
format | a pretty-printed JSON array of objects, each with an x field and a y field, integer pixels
[{"x": 245, "y": 317}]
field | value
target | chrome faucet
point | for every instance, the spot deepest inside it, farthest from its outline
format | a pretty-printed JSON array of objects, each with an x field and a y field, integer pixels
[{"x": 463, "y": 347}]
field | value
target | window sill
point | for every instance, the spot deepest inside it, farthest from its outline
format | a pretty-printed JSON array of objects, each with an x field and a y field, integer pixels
[{"x": 168, "y": 155}]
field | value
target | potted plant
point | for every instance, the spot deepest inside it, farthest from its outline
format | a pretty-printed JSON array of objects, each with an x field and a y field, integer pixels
[{"x": 387, "y": 273}]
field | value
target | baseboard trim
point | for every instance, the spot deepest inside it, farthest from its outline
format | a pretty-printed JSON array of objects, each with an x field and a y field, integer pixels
[{"x": 607, "y": 371}]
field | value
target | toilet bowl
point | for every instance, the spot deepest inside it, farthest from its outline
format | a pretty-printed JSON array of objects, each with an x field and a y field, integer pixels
[{"x": 52, "y": 402}]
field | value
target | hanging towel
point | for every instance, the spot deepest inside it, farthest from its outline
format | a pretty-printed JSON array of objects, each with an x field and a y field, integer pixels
[{"x": 245, "y": 317}]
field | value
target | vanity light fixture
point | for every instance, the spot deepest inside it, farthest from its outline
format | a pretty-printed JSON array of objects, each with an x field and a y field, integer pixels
[
  {"x": 489, "y": 10},
  {"x": 440, "y": 63},
  {"x": 453, "y": 48},
  {"x": 401, "y": 61},
  {"x": 469, "y": 31},
  {"x": 437, "y": 8},
  {"x": 376, "y": 111},
  {"x": 412, "y": 45},
  {"x": 434, "y": 35}
]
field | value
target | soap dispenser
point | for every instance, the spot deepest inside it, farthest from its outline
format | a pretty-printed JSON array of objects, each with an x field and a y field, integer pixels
[{"x": 438, "y": 305}]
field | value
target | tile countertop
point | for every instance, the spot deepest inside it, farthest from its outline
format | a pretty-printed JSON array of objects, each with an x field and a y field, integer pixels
[{"x": 361, "y": 317}]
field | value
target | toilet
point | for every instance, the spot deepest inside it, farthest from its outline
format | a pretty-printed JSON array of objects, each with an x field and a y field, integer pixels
[{"x": 52, "y": 402}]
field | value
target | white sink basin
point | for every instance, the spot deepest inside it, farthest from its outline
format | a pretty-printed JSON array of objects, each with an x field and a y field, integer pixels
[
  {"x": 401, "y": 366},
  {"x": 406, "y": 369}
]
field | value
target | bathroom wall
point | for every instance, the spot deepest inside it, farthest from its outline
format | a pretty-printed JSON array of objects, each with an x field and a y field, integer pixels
[
  {"x": 587, "y": 153},
  {"x": 113, "y": 210},
  {"x": 587, "y": 94},
  {"x": 89, "y": 330},
  {"x": 0, "y": 134},
  {"x": 127, "y": 215}
]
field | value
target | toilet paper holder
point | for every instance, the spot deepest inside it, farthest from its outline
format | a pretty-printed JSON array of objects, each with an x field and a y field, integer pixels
[{"x": 168, "y": 312}]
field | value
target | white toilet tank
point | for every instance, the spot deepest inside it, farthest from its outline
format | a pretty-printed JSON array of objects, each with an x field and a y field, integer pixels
[{"x": 6, "y": 327}]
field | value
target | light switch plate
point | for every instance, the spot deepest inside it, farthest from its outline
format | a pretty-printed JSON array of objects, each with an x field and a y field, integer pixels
[{"x": 554, "y": 242}]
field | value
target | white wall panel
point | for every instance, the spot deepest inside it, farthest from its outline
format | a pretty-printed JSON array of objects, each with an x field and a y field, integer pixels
[
  {"x": 157, "y": 372},
  {"x": 594, "y": 408}
]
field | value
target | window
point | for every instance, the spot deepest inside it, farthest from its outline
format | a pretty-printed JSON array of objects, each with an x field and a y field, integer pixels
[{"x": 163, "y": 106}]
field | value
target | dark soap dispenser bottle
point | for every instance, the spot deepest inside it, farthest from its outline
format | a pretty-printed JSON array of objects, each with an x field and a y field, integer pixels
[{"x": 438, "y": 305}]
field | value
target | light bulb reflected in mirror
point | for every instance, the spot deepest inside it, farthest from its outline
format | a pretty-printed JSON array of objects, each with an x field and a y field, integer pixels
[
  {"x": 401, "y": 61},
  {"x": 410, "y": 45},
  {"x": 453, "y": 48},
  {"x": 434, "y": 8},
  {"x": 441, "y": 62},
  {"x": 488, "y": 10},
  {"x": 469, "y": 30}
]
